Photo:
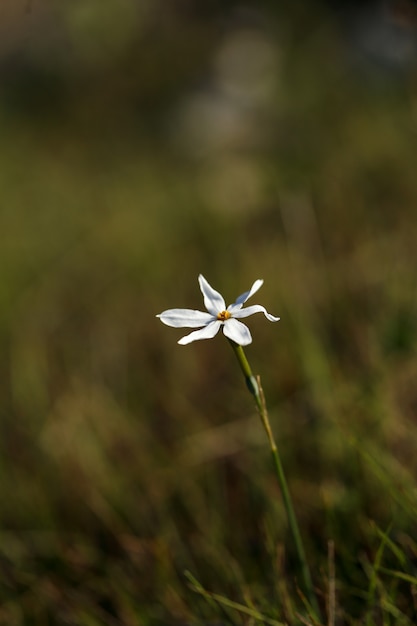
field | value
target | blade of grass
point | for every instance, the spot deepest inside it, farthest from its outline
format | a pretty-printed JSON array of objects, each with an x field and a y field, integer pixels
[
  {"x": 331, "y": 619},
  {"x": 397, "y": 552},
  {"x": 401, "y": 575},
  {"x": 374, "y": 578},
  {"x": 398, "y": 495},
  {"x": 226, "y": 602}
]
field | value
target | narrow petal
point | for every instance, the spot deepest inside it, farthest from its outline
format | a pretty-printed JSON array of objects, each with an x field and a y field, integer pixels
[
  {"x": 185, "y": 318},
  {"x": 237, "y": 332},
  {"x": 255, "y": 308},
  {"x": 205, "y": 333},
  {"x": 213, "y": 300},
  {"x": 245, "y": 296}
]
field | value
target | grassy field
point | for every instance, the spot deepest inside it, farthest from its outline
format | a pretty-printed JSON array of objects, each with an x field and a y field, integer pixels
[{"x": 127, "y": 460}]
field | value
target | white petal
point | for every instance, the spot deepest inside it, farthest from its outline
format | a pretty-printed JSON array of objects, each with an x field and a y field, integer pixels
[
  {"x": 205, "y": 333},
  {"x": 185, "y": 318},
  {"x": 245, "y": 296},
  {"x": 213, "y": 300},
  {"x": 237, "y": 332},
  {"x": 255, "y": 308}
]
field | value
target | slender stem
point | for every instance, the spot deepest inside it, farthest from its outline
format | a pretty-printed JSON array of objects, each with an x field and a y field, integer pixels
[{"x": 254, "y": 386}]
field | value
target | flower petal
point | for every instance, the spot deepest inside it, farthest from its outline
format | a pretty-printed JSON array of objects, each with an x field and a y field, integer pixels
[
  {"x": 185, "y": 318},
  {"x": 204, "y": 333},
  {"x": 245, "y": 296},
  {"x": 237, "y": 332},
  {"x": 255, "y": 308},
  {"x": 213, "y": 300}
]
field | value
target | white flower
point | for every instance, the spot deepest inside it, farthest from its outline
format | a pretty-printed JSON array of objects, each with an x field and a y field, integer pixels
[{"x": 218, "y": 315}]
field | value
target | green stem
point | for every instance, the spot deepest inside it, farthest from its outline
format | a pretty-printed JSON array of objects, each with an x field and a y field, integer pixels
[{"x": 254, "y": 386}]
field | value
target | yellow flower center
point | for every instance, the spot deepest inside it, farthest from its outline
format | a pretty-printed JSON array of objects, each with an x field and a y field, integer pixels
[{"x": 223, "y": 316}]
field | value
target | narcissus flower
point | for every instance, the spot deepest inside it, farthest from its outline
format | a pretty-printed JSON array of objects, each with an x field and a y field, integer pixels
[{"x": 217, "y": 316}]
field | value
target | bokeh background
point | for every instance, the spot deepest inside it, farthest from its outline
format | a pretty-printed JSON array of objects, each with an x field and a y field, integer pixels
[{"x": 144, "y": 142}]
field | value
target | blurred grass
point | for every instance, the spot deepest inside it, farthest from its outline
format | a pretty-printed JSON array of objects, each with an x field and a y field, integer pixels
[{"x": 126, "y": 459}]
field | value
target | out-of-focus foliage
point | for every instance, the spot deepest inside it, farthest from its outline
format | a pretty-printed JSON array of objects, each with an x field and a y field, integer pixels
[{"x": 143, "y": 142}]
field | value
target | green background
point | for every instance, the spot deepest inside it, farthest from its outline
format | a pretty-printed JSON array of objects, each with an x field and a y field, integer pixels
[{"x": 141, "y": 144}]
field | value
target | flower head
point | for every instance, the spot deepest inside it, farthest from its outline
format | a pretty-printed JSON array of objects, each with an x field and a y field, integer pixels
[{"x": 217, "y": 316}]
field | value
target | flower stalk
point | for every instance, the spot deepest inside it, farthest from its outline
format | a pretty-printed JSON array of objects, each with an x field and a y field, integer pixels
[
  {"x": 254, "y": 385},
  {"x": 217, "y": 316}
]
